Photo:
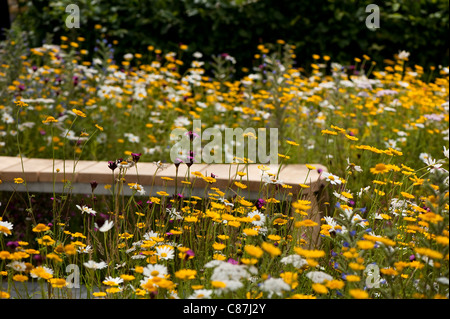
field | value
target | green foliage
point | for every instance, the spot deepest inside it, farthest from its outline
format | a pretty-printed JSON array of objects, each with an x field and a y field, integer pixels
[{"x": 336, "y": 28}]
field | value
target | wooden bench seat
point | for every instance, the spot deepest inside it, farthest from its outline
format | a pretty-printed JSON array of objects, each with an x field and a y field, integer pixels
[{"x": 41, "y": 177}]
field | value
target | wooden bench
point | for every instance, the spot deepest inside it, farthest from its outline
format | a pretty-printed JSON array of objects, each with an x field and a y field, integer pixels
[{"x": 41, "y": 176}]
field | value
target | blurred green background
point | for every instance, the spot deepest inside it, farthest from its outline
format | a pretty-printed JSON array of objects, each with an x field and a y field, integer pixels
[{"x": 236, "y": 27}]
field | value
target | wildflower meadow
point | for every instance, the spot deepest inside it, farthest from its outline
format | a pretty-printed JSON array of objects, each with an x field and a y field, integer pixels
[{"x": 380, "y": 129}]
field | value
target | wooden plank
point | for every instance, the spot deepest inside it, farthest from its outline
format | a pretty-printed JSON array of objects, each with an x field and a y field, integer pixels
[
  {"x": 32, "y": 167},
  {"x": 46, "y": 174}
]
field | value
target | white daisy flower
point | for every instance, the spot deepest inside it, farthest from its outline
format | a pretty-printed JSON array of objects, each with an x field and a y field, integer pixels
[
  {"x": 333, "y": 179},
  {"x": 259, "y": 219},
  {"x": 94, "y": 265},
  {"x": 165, "y": 252},
  {"x": 5, "y": 228},
  {"x": 155, "y": 270}
]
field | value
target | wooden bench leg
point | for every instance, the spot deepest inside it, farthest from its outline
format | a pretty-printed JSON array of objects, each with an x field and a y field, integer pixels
[{"x": 310, "y": 234}]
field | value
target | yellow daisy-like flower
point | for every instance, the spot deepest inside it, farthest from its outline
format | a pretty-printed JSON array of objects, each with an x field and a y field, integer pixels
[
  {"x": 218, "y": 284},
  {"x": 353, "y": 278},
  {"x": 254, "y": 251},
  {"x": 240, "y": 185},
  {"x": 20, "y": 278},
  {"x": 271, "y": 249},
  {"x": 379, "y": 169},
  {"x": 78, "y": 113},
  {"x": 407, "y": 195},
  {"x": 18, "y": 180},
  {"x": 365, "y": 244},
  {"x": 319, "y": 288},
  {"x": 305, "y": 223},
  {"x": 250, "y": 232},
  {"x": 50, "y": 119},
  {"x": 358, "y": 294}
]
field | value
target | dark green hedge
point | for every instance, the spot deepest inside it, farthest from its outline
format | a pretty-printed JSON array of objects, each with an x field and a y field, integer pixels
[{"x": 335, "y": 28}]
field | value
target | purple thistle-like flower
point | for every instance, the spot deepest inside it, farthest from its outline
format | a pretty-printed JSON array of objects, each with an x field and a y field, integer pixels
[
  {"x": 189, "y": 254},
  {"x": 94, "y": 185},
  {"x": 112, "y": 165},
  {"x": 136, "y": 156},
  {"x": 12, "y": 244},
  {"x": 192, "y": 135},
  {"x": 190, "y": 159},
  {"x": 177, "y": 162},
  {"x": 260, "y": 203}
]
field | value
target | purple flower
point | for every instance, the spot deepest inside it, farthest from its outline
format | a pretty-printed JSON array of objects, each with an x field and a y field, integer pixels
[
  {"x": 412, "y": 257},
  {"x": 112, "y": 165},
  {"x": 177, "y": 162},
  {"x": 232, "y": 261},
  {"x": 190, "y": 159},
  {"x": 94, "y": 185},
  {"x": 12, "y": 244},
  {"x": 136, "y": 156},
  {"x": 260, "y": 203},
  {"x": 189, "y": 254},
  {"x": 192, "y": 135}
]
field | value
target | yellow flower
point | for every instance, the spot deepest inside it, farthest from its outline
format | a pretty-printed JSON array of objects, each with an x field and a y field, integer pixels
[
  {"x": 254, "y": 251},
  {"x": 18, "y": 180},
  {"x": 126, "y": 277},
  {"x": 309, "y": 253},
  {"x": 429, "y": 253},
  {"x": 379, "y": 169},
  {"x": 306, "y": 223},
  {"x": 50, "y": 119},
  {"x": 358, "y": 294},
  {"x": 20, "y": 278},
  {"x": 389, "y": 271},
  {"x": 78, "y": 113},
  {"x": 58, "y": 282},
  {"x": 41, "y": 272},
  {"x": 218, "y": 246},
  {"x": 240, "y": 185},
  {"x": 271, "y": 249},
  {"x": 250, "y": 232},
  {"x": 407, "y": 195},
  {"x": 4, "y": 295},
  {"x": 186, "y": 274},
  {"x": 301, "y": 296},
  {"x": 292, "y": 143},
  {"x": 352, "y": 278},
  {"x": 319, "y": 288},
  {"x": 218, "y": 284},
  {"x": 335, "y": 284},
  {"x": 329, "y": 132},
  {"x": 46, "y": 240},
  {"x": 365, "y": 244}
]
